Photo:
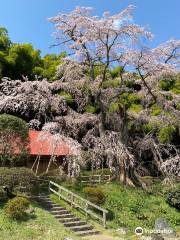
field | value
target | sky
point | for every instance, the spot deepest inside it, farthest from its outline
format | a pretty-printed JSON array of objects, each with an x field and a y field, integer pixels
[{"x": 26, "y": 20}]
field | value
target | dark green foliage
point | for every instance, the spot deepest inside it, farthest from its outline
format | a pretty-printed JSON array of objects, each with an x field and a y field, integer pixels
[
  {"x": 97, "y": 70},
  {"x": 16, "y": 177},
  {"x": 136, "y": 108},
  {"x": 67, "y": 96},
  {"x": 21, "y": 60},
  {"x": 114, "y": 107},
  {"x": 169, "y": 97},
  {"x": 12, "y": 128},
  {"x": 148, "y": 127},
  {"x": 176, "y": 87},
  {"x": 92, "y": 109},
  {"x": 15, "y": 208},
  {"x": 155, "y": 110},
  {"x": 14, "y": 124},
  {"x": 129, "y": 83},
  {"x": 166, "y": 134},
  {"x": 111, "y": 83},
  {"x": 135, "y": 128},
  {"x": 178, "y": 106},
  {"x": 115, "y": 72},
  {"x": 130, "y": 101},
  {"x": 4, "y": 48},
  {"x": 47, "y": 69},
  {"x": 94, "y": 195},
  {"x": 173, "y": 198},
  {"x": 17, "y": 60},
  {"x": 166, "y": 84},
  {"x": 4, "y": 40}
]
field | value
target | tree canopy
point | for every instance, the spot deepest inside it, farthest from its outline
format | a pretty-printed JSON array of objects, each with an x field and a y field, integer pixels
[{"x": 20, "y": 61}]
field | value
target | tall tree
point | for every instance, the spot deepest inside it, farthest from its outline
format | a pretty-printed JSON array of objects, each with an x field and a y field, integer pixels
[
  {"x": 98, "y": 40},
  {"x": 21, "y": 60}
]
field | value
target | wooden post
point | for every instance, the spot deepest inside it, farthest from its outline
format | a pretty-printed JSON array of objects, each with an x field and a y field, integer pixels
[
  {"x": 104, "y": 219},
  {"x": 59, "y": 192},
  {"x": 72, "y": 200},
  {"x": 49, "y": 185},
  {"x": 86, "y": 209}
]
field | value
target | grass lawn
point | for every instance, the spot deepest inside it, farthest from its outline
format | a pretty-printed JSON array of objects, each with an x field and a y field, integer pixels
[
  {"x": 42, "y": 227},
  {"x": 131, "y": 208}
]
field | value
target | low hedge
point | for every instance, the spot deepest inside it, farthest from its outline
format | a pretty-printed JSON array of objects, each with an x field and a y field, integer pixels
[{"x": 18, "y": 177}]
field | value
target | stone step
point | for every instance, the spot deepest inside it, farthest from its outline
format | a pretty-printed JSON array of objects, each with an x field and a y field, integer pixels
[
  {"x": 75, "y": 223},
  {"x": 58, "y": 208},
  {"x": 51, "y": 205},
  {"x": 66, "y": 215},
  {"x": 73, "y": 219},
  {"x": 44, "y": 198},
  {"x": 80, "y": 228},
  {"x": 47, "y": 201},
  {"x": 59, "y": 212},
  {"x": 86, "y": 233},
  {"x": 71, "y": 222}
]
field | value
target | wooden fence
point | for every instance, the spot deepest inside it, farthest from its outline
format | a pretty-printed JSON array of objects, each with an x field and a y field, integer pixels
[
  {"x": 78, "y": 202},
  {"x": 96, "y": 179}
]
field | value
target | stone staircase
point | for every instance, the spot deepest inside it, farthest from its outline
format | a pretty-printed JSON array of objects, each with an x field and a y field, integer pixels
[{"x": 69, "y": 220}]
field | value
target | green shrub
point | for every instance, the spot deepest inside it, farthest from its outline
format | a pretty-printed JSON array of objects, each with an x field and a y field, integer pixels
[
  {"x": 134, "y": 127},
  {"x": 176, "y": 87},
  {"x": 166, "y": 84},
  {"x": 127, "y": 99},
  {"x": 16, "y": 177},
  {"x": 15, "y": 208},
  {"x": 98, "y": 70},
  {"x": 113, "y": 107},
  {"x": 111, "y": 83},
  {"x": 67, "y": 96},
  {"x": 91, "y": 109},
  {"x": 178, "y": 106},
  {"x": 129, "y": 83},
  {"x": 134, "y": 98},
  {"x": 175, "y": 91},
  {"x": 148, "y": 127},
  {"x": 169, "y": 97},
  {"x": 156, "y": 110},
  {"x": 94, "y": 195},
  {"x": 173, "y": 198},
  {"x": 136, "y": 108},
  {"x": 166, "y": 134},
  {"x": 116, "y": 71}
]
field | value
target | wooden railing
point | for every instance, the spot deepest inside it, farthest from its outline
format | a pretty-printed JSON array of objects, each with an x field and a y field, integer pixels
[
  {"x": 96, "y": 178},
  {"x": 78, "y": 202}
]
